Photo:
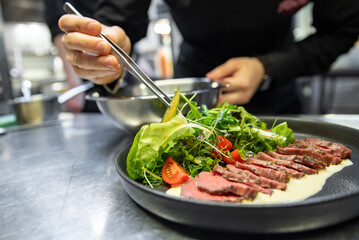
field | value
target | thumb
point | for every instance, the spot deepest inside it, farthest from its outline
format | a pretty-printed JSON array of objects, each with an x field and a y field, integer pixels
[{"x": 222, "y": 71}]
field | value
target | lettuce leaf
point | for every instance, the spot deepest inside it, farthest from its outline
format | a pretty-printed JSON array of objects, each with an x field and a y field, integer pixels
[
  {"x": 145, "y": 153},
  {"x": 283, "y": 130}
]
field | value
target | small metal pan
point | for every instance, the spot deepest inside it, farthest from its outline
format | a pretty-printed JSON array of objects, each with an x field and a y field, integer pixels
[{"x": 335, "y": 203}]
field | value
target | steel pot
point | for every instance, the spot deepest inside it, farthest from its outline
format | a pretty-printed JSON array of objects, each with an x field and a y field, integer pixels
[{"x": 36, "y": 110}]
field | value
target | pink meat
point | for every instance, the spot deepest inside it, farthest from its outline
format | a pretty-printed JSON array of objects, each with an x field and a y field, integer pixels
[
  {"x": 321, "y": 150},
  {"x": 217, "y": 185},
  {"x": 262, "y": 181},
  {"x": 264, "y": 172},
  {"x": 337, "y": 149},
  {"x": 190, "y": 190},
  {"x": 289, "y": 164},
  {"x": 290, "y": 172},
  {"x": 305, "y": 160},
  {"x": 241, "y": 178},
  {"x": 324, "y": 158}
]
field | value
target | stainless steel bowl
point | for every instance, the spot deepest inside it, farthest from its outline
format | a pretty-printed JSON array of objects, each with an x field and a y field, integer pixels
[
  {"x": 40, "y": 108},
  {"x": 133, "y": 106}
]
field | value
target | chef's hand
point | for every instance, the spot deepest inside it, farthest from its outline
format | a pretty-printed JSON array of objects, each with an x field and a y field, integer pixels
[
  {"x": 244, "y": 75},
  {"x": 91, "y": 56}
]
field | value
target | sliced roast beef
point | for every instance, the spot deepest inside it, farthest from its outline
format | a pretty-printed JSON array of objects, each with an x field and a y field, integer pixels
[
  {"x": 286, "y": 163},
  {"x": 264, "y": 172},
  {"x": 190, "y": 190},
  {"x": 337, "y": 149},
  {"x": 217, "y": 185},
  {"x": 241, "y": 178},
  {"x": 321, "y": 150},
  {"x": 324, "y": 158},
  {"x": 290, "y": 172},
  {"x": 261, "y": 181},
  {"x": 305, "y": 160}
]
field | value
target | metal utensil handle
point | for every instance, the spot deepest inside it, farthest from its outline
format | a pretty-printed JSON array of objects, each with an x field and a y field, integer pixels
[
  {"x": 70, "y": 9},
  {"x": 127, "y": 62},
  {"x": 73, "y": 92}
]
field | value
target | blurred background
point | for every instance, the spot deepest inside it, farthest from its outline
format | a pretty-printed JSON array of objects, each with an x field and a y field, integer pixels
[{"x": 27, "y": 53}]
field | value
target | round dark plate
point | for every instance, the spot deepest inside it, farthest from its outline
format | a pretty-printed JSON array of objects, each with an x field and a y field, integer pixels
[{"x": 336, "y": 202}]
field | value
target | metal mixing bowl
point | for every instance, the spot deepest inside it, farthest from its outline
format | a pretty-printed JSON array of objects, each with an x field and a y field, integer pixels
[{"x": 135, "y": 105}]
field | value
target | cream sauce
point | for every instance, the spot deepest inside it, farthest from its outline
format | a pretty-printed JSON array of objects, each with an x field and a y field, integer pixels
[{"x": 297, "y": 189}]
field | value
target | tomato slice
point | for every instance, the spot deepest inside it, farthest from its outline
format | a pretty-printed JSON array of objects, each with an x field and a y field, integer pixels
[
  {"x": 173, "y": 173},
  {"x": 236, "y": 156}
]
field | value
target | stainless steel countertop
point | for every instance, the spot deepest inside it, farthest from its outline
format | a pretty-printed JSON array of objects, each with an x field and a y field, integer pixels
[{"x": 60, "y": 182}]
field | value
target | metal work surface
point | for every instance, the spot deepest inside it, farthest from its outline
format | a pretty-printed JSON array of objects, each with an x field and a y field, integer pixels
[{"x": 60, "y": 182}]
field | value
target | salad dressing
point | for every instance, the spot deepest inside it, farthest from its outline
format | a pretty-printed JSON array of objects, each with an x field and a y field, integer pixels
[{"x": 297, "y": 189}]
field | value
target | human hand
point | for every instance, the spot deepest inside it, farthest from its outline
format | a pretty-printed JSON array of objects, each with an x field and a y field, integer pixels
[
  {"x": 91, "y": 56},
  {"x": 244, "y": 75}
]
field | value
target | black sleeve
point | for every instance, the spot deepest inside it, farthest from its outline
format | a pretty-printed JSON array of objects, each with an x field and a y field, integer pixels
[
  {"x": 131, "y": 15},
  {"x": 337, "y": 29},
  {"x": 54, "y": 10}
]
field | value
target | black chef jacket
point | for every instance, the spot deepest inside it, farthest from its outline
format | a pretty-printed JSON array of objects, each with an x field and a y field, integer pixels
[
  {"x": 214, "y": 31},
  {"x": 54, "y": 10}
]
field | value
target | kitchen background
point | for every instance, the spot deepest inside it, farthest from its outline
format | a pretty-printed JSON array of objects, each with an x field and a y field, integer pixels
[{"x": 26, "y": 53}]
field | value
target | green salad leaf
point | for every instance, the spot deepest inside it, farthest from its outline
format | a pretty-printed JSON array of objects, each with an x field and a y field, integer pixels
[
  {"x": 282, "y": 129},
  {"x": 145, "y": 154}
]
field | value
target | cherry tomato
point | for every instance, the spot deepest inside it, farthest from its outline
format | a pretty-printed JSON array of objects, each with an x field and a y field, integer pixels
[
  {"x": 173, "y": 173},
  {"x": 224, "y": 144},
  {"x": 227, "y": 160},
  {"x": 236, "y": 156}
]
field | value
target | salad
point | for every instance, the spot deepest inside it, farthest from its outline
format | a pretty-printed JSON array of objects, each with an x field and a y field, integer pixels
[{"x": 180, "y": 147}]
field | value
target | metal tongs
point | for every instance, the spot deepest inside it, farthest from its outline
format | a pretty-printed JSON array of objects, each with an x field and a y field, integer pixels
[{"x": 127, "y": 62}]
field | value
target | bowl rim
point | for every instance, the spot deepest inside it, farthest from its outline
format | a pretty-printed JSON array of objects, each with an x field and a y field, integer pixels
[
  {"x": 213, "y": 86},
  {"x": 35, "y": 97}
]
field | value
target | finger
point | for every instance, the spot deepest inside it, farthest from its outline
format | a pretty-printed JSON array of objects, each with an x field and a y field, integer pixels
[
  {"x": 235, "y": 84},
  {"x": 83, "y": 42},
  {"x": 97, "y": 76},
  {"x": 223, "y": 70},
  {"x": 237, "y": 98},
  {"x": 88, "y": 61},
  {"x": 118, "y": 35},
  {"x": 73, "y": 23}
]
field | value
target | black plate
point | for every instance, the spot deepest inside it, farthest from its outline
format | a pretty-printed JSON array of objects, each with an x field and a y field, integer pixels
[{"x": 336, "y": 202}]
